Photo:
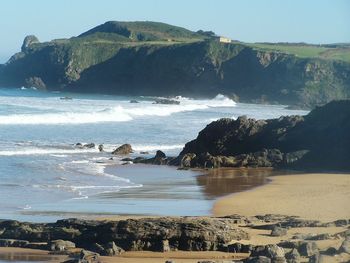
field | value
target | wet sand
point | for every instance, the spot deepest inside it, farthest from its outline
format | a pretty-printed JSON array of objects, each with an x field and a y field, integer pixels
[
  {"x": 248, "y": 192},
  {"x": 324, "y": 197}
]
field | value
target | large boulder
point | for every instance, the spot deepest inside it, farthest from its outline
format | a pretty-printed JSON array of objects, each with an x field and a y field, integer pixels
[
  {"x": 278, "y": 231},
  {"x": 123, "y": 150},
  {"x": 293, "y": 256}
]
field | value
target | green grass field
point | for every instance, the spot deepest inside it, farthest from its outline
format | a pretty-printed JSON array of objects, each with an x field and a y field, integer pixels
[{"x": 307, "y": 51}]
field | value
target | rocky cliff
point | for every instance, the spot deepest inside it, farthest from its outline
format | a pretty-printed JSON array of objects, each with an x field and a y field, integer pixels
[
  {"x": 148, "y": 58},
  {"x": 317, "y": 141}
]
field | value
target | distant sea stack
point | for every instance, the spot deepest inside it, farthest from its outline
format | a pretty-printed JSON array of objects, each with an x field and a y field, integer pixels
[{"x": 150, "y": 58}]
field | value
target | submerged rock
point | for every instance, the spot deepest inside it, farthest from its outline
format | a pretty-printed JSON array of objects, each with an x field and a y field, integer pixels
[{"x": 166, "y": 101}]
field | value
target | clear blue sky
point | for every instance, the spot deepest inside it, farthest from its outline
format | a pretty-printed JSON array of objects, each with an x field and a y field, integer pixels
[{"x": 313, "y": 21}]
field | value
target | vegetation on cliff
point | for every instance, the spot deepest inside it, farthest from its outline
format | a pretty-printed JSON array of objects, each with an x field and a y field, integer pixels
[{"x": 149, "y": 58}]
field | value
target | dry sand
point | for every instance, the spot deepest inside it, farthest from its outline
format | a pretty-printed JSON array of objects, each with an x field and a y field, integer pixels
[{"x": 324, "y": 197}]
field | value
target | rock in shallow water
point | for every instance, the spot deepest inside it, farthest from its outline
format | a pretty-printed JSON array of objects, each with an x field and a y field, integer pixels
[{"x": 123, "y": 150}]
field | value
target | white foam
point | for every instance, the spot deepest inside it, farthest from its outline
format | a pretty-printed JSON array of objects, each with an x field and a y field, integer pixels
[
  {"x": 157, "y": 147},
  {"x": 40, "y": 151},
  {"x": 59, "y": 155},
  {"x": 82, "y": 111},
  {"x": 219, "y": 101},
  {"x": 115, "y": 115}
]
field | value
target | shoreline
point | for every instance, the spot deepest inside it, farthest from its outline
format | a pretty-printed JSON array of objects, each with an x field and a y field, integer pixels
[
  {"x": 248, "y": 204},
  {"x": 321, "y": 196}
]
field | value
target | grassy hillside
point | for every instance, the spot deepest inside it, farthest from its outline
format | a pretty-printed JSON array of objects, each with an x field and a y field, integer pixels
[
  {"x": 150, "y": 58},
  {"x": 308, "y": 51}
]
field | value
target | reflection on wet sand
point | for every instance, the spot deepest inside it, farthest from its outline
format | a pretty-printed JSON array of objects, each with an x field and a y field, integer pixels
[
  {"x": 224, "y": 181},
  {"x": 22, "y": 254}
]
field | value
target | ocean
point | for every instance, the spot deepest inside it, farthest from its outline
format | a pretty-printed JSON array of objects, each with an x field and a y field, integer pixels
[{"x": 44, "y": 176}]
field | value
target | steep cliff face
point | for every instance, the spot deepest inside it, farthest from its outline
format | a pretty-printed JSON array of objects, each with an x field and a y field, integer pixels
[{"x": 148, "y": 58}]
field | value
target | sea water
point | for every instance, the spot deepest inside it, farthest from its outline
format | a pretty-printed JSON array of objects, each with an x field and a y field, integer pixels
[{"x": 45, "y": 176}]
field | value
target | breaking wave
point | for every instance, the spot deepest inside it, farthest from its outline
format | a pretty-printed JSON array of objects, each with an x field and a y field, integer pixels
[{"x": 95, "y": 113}]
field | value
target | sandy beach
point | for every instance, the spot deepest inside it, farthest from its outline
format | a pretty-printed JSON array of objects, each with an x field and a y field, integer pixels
[
  {"x": 318, "y": 196},
  {"x": 322, "y": 197}
]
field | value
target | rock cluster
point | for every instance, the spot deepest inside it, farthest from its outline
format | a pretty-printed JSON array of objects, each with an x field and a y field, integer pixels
[
  {"x": 112, "y": 237},
  {"x": 319, "y": 139}
]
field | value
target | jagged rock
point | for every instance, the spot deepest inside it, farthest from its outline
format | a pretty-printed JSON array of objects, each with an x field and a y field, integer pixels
[
  {"x": 160, "y": 154},
  {"x": 187, "y": 160},
  {"x": 158, "y": 159},
  {"x": 123, "y": 149},
  {"x": 308, "y": 249},
  {"x": 293, "y": 256},
  {"x": 13, "y": 243},
  {"x": 88, "y": 257},
  {"x": 100, "y": 147},
  {"x": 155, "y": 234},
  {"x": 293, "y": 157},
  {"x": 290, "y": 244},
  {"x": 318, "y": 258},
  {"x": 89, "y": 145},
  {"x": 270, "y": 251},
  {"x": 318, "y": 237},
  {"x": 345, "y": 246},
  {"x": 278, "y": 231},
  {"x": 35, "y": 82},
  {"x": 239, "y": 248},
  {"x": 28, "y": 41},
  {"x": 60, "y": 245},
  {"x": 108, "y": 249}
]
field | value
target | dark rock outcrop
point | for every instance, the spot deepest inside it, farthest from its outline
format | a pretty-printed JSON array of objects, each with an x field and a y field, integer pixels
[
  {"x": 159, "y": 159},
  {"x": 319, "y": 140},
  {"x": 112, "y": 237}
]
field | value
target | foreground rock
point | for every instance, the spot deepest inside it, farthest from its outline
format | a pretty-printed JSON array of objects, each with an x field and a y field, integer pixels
[
  {"x": 113, "y": 237},
  {"x": 319, "y": 140}
]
